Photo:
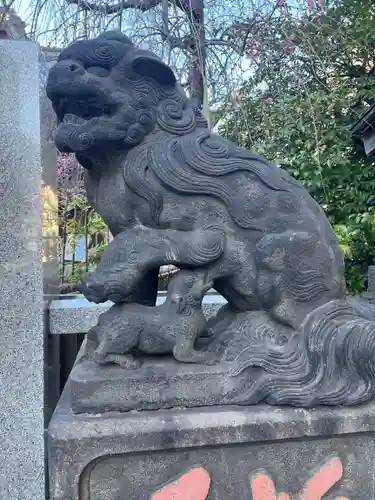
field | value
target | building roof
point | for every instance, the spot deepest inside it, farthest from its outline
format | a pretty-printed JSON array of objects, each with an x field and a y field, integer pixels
[{"x": 365, "y": 123}]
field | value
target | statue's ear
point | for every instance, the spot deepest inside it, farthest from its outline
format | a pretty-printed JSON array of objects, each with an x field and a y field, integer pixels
[{"x": 149, "y": 65}]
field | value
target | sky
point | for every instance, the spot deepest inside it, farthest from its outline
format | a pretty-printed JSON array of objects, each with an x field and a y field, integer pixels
[
  {"x": 138, "y": 23},
  {"x": 21, "y": 7},
  {"x": 217, "y": 11}
]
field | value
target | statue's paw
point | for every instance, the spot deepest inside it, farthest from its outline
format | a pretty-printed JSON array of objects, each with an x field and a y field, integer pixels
[
  {"x": 98, "y": 358},
  {"x": 207, "y": 333},
  {"x": 124, "y": 361},
  {"x": 93, "y": 293},
  {"x": 127, "y": 362}
]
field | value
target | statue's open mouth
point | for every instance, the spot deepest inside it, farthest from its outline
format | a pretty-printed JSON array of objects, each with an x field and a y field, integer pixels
[
  {"x": 83, "y": 107},
  {"x": 63, "y": 108}
]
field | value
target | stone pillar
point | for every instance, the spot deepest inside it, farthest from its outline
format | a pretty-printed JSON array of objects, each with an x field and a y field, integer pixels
[
  {"x": 49, "y": 186},
  {"x": 50, "y": 237},
  {"x": 21, "y": 279}
]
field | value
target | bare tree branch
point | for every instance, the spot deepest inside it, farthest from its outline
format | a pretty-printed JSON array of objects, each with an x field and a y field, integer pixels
[
  {"x": 106, "y": 9},
  {"x": 165, "y": 16},
  {"x": 4, "y": 10},
  {"x": 185, "y": 43},
  {"x": 142, "y": 5},
  {"x": 225, "y": 43},
  {"x": 204, "y": 41}
]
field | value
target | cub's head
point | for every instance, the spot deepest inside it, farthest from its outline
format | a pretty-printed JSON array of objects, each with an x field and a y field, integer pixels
[
  {"x": 187, "y": 288},
  {"x": 106, "y": 90}
]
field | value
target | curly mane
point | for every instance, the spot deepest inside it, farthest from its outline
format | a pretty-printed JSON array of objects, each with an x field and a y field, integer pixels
[{"x": 202, "y": 163}]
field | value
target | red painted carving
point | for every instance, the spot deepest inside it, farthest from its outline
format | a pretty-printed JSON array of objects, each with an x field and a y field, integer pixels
[
  {"x": 195, "y": 485},
  {"x": 263, "y": 488}
]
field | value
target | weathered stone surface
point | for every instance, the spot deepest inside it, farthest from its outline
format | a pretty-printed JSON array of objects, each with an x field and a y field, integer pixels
[
  {"x": 21, "y": 280},
  {"x": 134, "y": 455},
  {"x": 172, "y": 192},
  {"x": 160, "y": 382},
  {"x": 50, "y": 233},
  {"x": 75, "y": 314},
  {"x": 371, "y": 280}
]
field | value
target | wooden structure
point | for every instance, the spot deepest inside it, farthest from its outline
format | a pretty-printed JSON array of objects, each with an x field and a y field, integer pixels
[{"x": 364, "y": 130}]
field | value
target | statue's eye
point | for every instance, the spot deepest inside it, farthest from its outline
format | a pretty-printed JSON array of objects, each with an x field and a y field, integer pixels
[{"x": 98, "y": 71}]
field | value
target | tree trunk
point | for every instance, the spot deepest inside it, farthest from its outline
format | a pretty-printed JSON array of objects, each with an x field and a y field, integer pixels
[{"x": 197, "y": 80}]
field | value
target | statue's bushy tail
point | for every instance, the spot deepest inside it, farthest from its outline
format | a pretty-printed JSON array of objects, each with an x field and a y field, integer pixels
[{"x": 329, "y": 361}]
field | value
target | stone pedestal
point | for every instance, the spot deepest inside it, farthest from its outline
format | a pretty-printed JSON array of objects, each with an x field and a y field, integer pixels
[
  {"x": 161, "y": 382},
  {"x": 21, "y": 276},
  {"x": 227, "y": 453}
]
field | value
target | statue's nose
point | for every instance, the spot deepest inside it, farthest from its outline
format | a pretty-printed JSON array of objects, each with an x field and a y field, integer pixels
[
  {"x": 63, "y": 73},
  {"x": 66, "y": 68}
]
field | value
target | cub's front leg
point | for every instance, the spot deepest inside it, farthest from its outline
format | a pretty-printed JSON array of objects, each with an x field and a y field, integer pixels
[{"x": 134, "y": 253}]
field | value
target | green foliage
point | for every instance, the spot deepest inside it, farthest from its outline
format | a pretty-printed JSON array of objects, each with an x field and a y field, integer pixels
[
  {"x": 82, "y": 223},
  {"x": 298, "y": 106}
]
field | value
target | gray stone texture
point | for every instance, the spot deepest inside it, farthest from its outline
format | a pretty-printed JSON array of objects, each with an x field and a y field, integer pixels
[
  {"x": 130, "y": 456},
  {"x": 74, "y": 314},
  {"x": 21, "y": 280},
  {"x": 50, "y": 235},
  {"x": 173, "y": 192},
  {"x": 371, "y": 280},
  {"x": 160, "y": 382},
  {"x": 49, "y": 189}
]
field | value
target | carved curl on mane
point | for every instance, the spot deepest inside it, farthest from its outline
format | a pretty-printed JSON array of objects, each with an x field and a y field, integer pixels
[{"x": 201, "y": 164}]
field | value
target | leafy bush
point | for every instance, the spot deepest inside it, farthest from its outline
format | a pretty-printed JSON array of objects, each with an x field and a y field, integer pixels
[{"x": 311, "y": 84}]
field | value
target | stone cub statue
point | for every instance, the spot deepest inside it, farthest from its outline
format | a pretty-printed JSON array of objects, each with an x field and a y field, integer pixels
[{"x": 172, "y": 327}]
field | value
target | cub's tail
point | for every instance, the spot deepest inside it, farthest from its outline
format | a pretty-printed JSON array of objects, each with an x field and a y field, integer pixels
[{"x": 329, "y": 361}]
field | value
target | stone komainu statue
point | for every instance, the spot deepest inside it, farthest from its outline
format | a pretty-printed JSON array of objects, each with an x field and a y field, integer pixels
[{"x": 179, "y": 194}]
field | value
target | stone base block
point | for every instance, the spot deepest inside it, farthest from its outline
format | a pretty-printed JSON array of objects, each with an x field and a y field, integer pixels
[
  {"x": 221, "y": 453},
  {"x": 161, "y": 382}
]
